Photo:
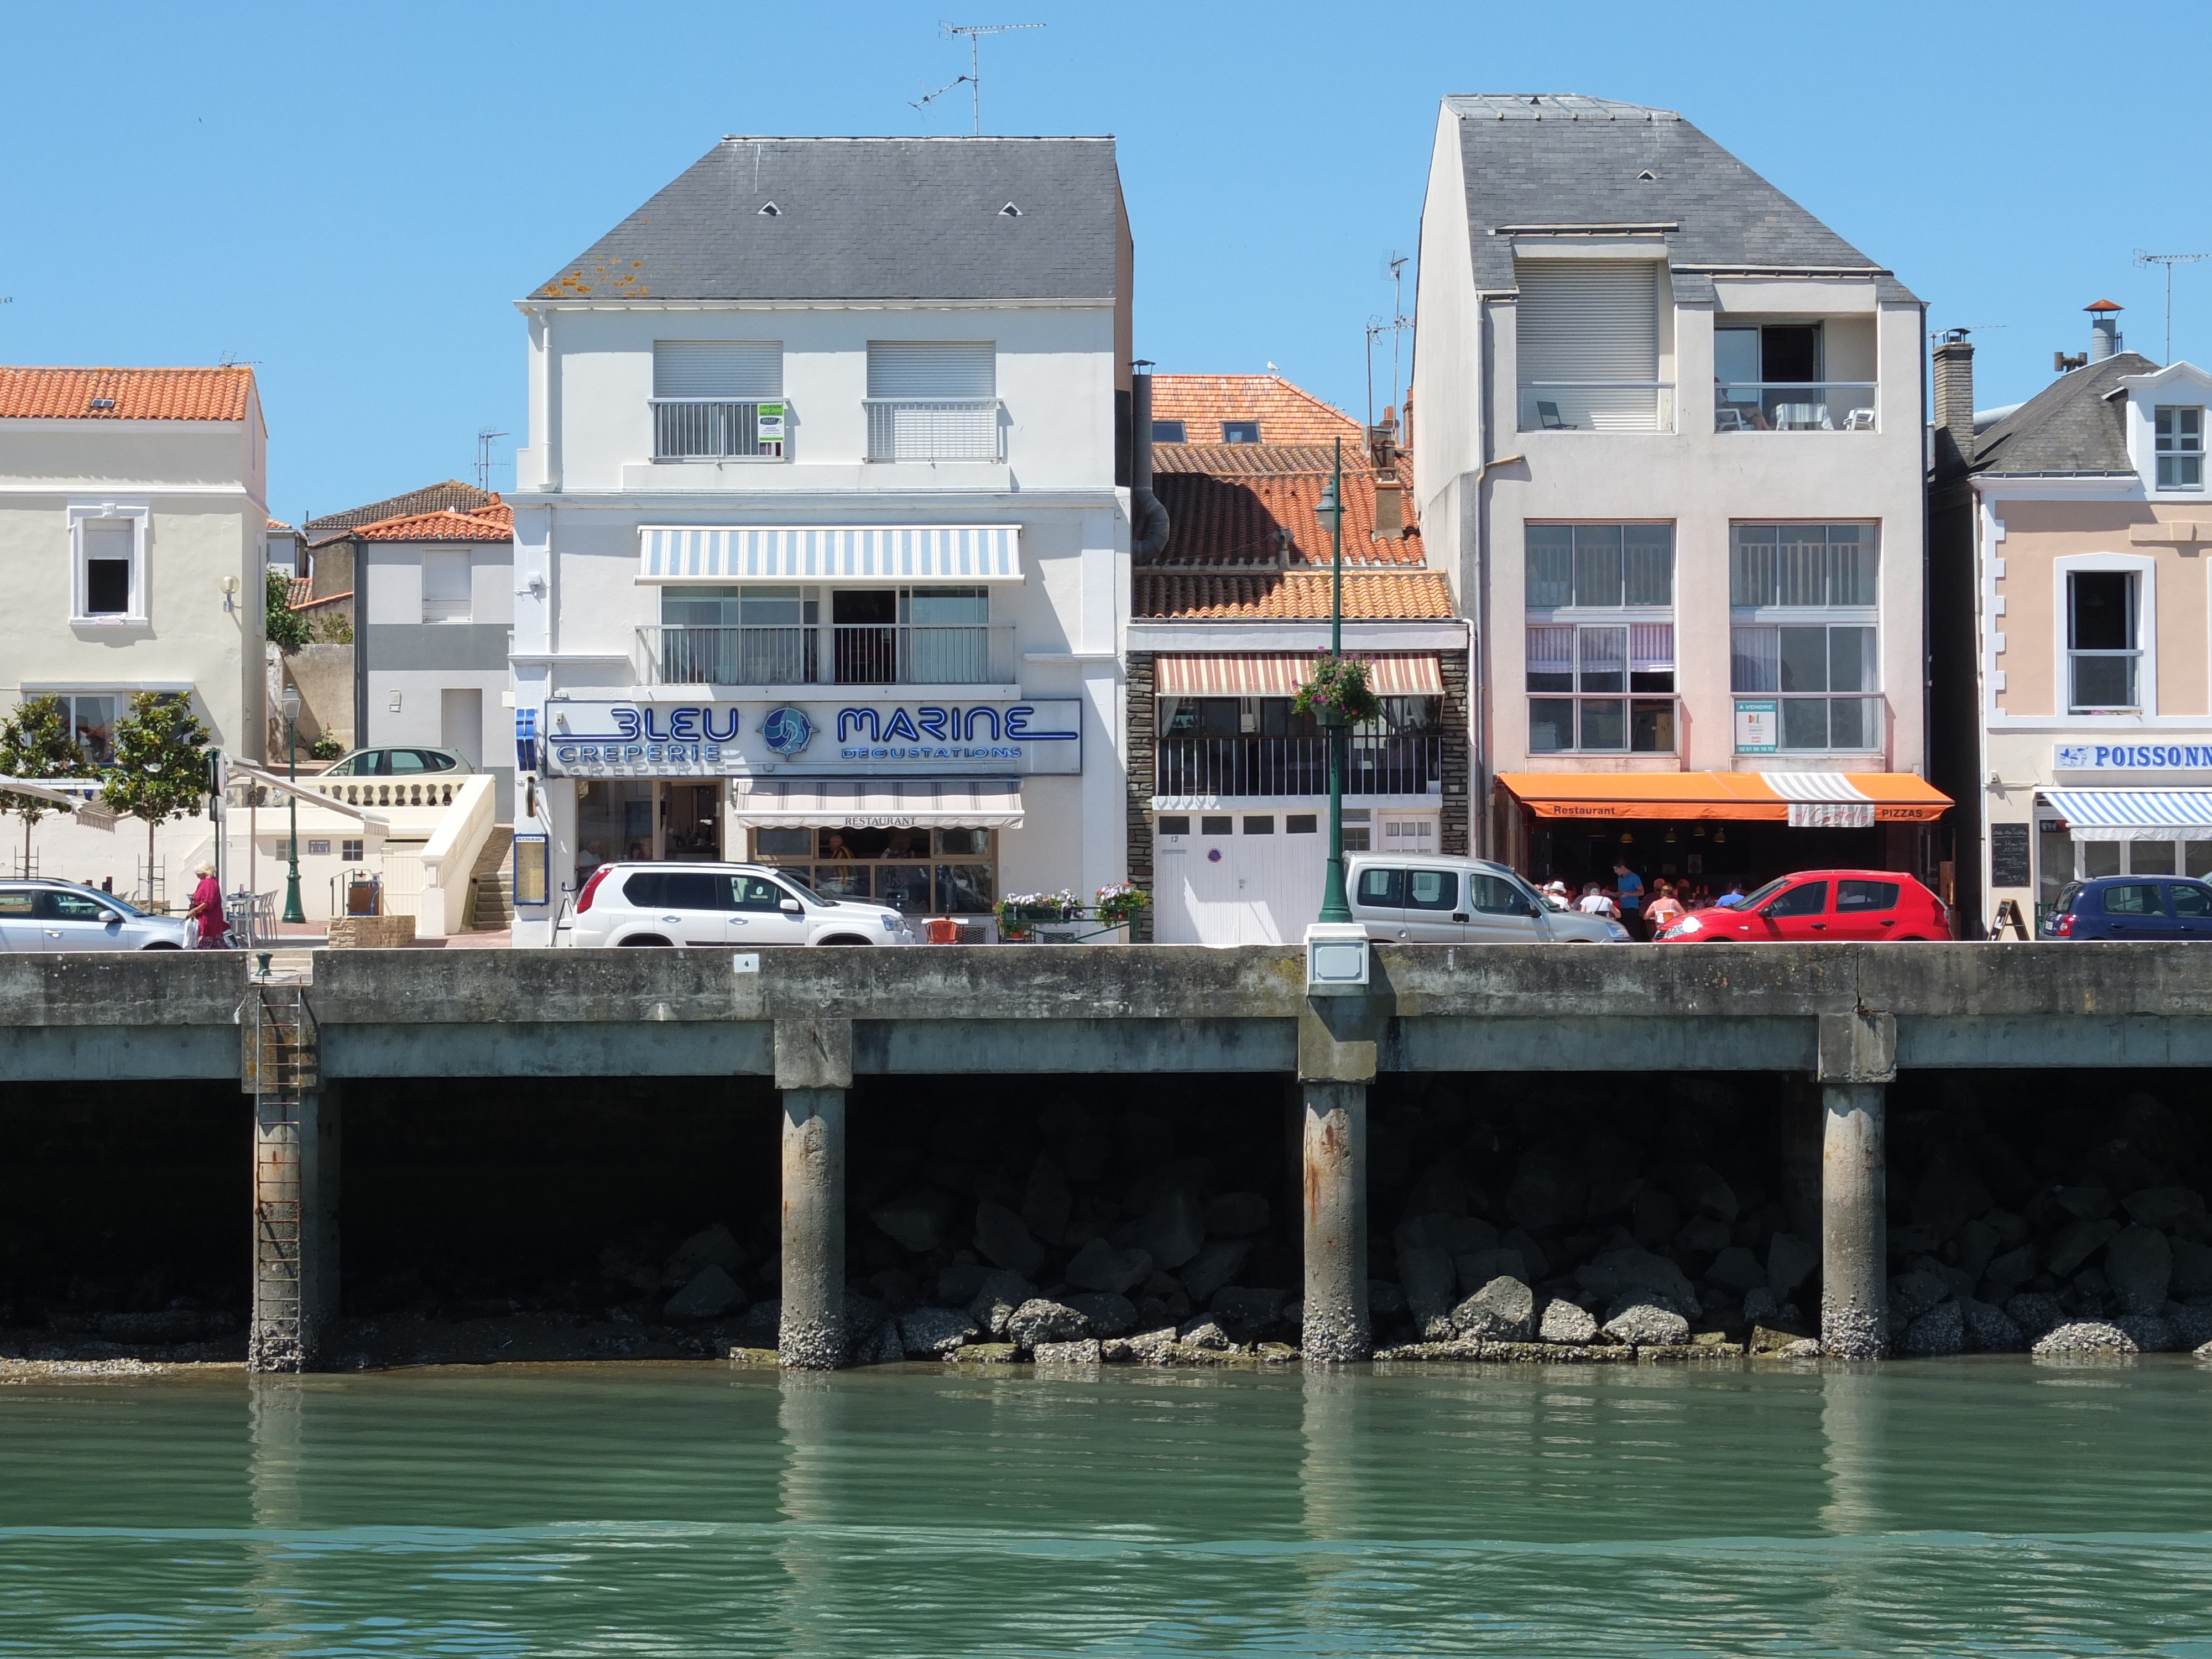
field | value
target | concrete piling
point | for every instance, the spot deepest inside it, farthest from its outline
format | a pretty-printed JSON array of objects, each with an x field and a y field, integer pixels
[
  {"x": 1853, "y": 1228},
  {"x": 1334, "y": 1211},
  {"x": 295, "y": 1269},
  {"x": 1858, "y": 1059},
  {"x": 811, "y": 1335}
]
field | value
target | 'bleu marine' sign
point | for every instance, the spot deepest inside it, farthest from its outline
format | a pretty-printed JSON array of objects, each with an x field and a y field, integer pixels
[
  {"x": 2131, "y": 758},
  {"x": 624, "y": 739}
]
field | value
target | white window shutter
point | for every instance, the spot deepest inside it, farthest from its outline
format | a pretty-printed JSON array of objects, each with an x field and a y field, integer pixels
[
  {"x": 741, "y": 370},
  {"x": 1588, "y": 319},
  {"x": 965, "y": 369}
]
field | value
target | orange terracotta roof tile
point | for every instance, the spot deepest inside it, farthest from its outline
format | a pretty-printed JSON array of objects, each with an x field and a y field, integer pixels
[
  {"x": 279, "y": 523},
  {"x": 127, "y": 394},
  {"x": 487, "y": 524},
  {"x": 297, "y": 591},
  {"x": 1260, "y": 511},
  {"x": 1293, "y": 596},
  {"x": 1286, "y": 413},
  {"x": 451, "y": 495},
  {"x": 298, "y": 603}
]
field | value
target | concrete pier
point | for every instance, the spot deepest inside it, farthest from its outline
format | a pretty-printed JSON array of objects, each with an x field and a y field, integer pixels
[
  {"x": 811, "y": 1334},
  {"x": 1334, "y": 1213},
  {"x": 1854, "y": 1230}
]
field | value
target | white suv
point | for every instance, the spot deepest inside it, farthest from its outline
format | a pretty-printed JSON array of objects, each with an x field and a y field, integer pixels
[{"x": 720, "y": 905}]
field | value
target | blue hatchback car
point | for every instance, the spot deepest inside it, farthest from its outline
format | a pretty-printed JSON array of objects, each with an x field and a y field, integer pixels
[{"x": 2132, "y": 907}]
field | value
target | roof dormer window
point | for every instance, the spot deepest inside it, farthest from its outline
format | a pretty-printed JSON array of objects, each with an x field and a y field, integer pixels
[{"x": 2179, "y": 430}]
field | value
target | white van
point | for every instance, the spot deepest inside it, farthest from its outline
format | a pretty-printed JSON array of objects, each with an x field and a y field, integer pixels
[{"x": 1425, "y": 899}]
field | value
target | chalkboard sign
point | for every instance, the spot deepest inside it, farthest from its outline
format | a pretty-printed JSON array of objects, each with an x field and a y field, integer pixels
[{"x": 2008, "y": 856}]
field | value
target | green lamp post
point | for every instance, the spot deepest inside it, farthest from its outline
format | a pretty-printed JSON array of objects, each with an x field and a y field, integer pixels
[
  {"x": 290, "y": 702},
  {"x": 1334, "y": 719}
]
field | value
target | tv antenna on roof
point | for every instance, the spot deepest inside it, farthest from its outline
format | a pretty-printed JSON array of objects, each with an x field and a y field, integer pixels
[
  {"x": 2169, "y": 260},
  {"x": 485, "y": 436},
  {"x": 973, "y": 78}
]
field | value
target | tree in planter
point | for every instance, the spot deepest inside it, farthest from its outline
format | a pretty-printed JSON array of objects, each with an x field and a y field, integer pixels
[
  {"x": 160, "y": 764},
  {"x": 36, "y": 744},
  {"x": 284, "y": 627}
]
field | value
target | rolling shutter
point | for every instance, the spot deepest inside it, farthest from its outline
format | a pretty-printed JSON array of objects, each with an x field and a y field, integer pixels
[
  {"x": 934, "y": 368},
  {"x": 742, "y": 370},
  {"x": 1588, "y": 319}
]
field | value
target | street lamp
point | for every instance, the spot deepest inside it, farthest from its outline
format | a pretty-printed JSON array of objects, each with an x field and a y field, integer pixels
[
  {"x": 290, "y": 703},
  {"x": 1333, "y": 719}
]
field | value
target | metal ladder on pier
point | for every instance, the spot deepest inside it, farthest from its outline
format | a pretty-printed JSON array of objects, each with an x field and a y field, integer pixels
[{"x": 279, "y": 1054}]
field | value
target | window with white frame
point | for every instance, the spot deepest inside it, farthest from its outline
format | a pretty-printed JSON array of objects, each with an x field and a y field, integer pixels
[
  {"x": 1804, "y": 658},
  {"x": 718, "y": 399},
  {"x": 2103, "y": 642},
  {"x": 1601, "y": 638},
  {"x": 107, "y": 583},
  {"x": 2179, "y": 432},
  {"x": 933, "y": 400},
  {"x": 445, "y": 585}
]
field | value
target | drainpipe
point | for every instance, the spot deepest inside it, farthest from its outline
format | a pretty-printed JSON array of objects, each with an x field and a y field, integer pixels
[{"x": 1148, "y": 519}]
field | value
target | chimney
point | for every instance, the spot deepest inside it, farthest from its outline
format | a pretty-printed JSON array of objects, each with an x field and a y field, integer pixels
[
  {"x": 2103, "y": 330},
  {"x": 1954, "y": 402},
  {"x": 1389, "y": 498}
]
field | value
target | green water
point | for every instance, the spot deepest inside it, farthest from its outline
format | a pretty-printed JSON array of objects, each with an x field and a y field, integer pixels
[{"x": 1989, "y": 1506}]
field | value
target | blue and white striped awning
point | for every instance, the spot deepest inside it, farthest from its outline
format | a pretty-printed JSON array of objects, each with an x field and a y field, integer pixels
[
  {"x": 2133, "y": 814},
  {"x": 928, "y": 553}
]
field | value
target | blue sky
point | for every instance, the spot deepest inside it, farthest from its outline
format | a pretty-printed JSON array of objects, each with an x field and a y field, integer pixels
[{"x": 352, "y": 197}]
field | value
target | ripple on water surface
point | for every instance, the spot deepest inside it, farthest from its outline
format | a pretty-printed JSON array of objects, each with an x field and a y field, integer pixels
[{"x": 1985, "y": 1507}]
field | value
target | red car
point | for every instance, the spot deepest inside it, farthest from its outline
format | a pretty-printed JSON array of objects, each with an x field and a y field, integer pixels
[{"x": 1822, "y": 904}]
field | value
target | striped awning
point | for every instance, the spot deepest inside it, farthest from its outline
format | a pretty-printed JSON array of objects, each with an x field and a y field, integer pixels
[
  {"x": 2133, "y": 814},
  {"x": 932, "y": 553},
  {"x": 880, "y": 803},
  {"x": 1277, "y": 674}
]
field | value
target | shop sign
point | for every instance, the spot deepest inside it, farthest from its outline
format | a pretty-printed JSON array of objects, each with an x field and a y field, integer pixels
[
  {"x": 2131, "y": 758},
  {"x": 618, "y": 739},
  {"x": 1755, "y": 726}
]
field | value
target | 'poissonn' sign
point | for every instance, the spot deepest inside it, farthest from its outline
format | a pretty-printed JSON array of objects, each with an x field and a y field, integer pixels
[{"x": 2131, "y": 758}]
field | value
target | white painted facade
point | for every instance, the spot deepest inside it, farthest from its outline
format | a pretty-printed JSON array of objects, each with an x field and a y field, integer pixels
[
  {"x": 1487, "y": 466},
  {"x": 435, "y": 670},
  {"x": 588, "y": 485}
]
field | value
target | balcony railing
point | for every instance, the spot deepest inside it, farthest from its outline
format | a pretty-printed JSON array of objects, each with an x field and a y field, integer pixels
[
  {"x": 715, "y": 430},
  {"x": 1794, "y": 406},
  {"x": 1403, "y": 765},
  {"x": 1597, "y": 406},
  {"x": 841, "y": 654},
  {"x": 934, "y": 429}
]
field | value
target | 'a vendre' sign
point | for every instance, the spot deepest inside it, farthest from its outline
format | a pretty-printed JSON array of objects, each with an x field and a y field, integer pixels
[
  {"x": 2131, "y": 758},
  {"x": 622, "y": 739}
]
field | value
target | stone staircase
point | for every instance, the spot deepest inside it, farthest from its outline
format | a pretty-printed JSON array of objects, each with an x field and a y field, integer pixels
[{"x": 491, "y": 885}]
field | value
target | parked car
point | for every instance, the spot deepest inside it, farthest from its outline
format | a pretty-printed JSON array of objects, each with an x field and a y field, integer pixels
[
  {"x": 1455, "y": 901},
  {"x": 2132, "y": 907},
  {"x": 65, "y": 915},
  {"x": 720, "y": 905},
  {"x": 1822, "y": 904},
  {"x": 410, "y": 761}
]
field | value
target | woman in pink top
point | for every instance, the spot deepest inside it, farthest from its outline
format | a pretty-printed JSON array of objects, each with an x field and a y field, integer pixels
[{"x": 206, "y": 910}]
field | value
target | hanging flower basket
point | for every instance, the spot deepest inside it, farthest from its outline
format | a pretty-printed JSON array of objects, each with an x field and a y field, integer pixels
[{"x": 1337, "y": 692}]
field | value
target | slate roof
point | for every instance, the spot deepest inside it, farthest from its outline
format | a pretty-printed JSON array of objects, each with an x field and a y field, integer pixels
[
  {"x": 2074, "y": 425},
  {"x": 1287, "y": 414},
  {"x": 868, "y": 219},
  {"x": 1252, "y": 506},
  {"x": 451, "y": 495},
  {"x": 131, "y": 394},
  {"x": 1290, "y": 596},
  {"x": 1567, "y": 161}
]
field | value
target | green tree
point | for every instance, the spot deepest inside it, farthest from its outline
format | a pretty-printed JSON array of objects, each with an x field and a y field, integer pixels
[
  {"x": 287, "y": 630},
  {"x": 36, "y": 743},
  {"x": 160, "y": 763}
]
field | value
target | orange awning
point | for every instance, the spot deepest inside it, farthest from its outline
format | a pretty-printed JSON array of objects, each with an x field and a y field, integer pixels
[
  {"x": 1274, "y": 674},
  {"x": 1812, "y": 800}
]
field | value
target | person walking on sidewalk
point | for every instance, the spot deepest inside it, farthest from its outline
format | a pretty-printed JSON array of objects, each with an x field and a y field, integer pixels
[{"x": 205, "y": 912}]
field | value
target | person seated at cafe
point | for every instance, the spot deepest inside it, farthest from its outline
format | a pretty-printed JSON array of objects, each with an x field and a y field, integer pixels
[
  {"x": 1597, "y": 902},
  {"x": 1665, "y": 909},
  {"x": 835, "y": 849},
  {"x": 1732, "y": 897},
  {"x": 901, "y": 846}
]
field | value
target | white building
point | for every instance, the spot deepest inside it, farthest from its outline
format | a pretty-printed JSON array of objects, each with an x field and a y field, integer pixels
[
  {"x": 821, "y": 547},
  {"x": 1667, "y": 437},
  {"x": 133, "y": 524}
]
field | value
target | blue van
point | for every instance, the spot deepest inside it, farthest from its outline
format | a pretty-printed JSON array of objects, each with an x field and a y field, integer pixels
[{"x": 2132, "y": 907}]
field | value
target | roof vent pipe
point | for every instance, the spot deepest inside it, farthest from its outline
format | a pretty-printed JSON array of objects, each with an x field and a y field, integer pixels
[
  {"x": 1148, "y": 519},
  {"x": 2103, "y": 330}
]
